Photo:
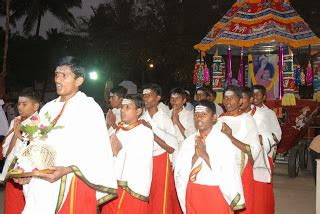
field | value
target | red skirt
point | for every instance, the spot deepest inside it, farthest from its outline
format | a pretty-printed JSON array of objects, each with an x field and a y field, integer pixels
[
  {"x": 269, "y": 192},
  {"x": 125, "y": 203},
  {"x": 81, "y": 199},
  {"x": 260, "y": 197},
  {"x": 13, "y": 199},
  {"x": 163, "y": 196},
  {"x": 247, "y": 184},
  {"x": 205, "y": 199}
]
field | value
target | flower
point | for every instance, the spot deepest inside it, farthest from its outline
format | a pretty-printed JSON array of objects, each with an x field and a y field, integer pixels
[{"x": 39, "y": 131}]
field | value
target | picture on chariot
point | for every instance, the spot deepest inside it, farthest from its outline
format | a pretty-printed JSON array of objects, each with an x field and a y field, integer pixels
[{"x": 265, "y": 72}]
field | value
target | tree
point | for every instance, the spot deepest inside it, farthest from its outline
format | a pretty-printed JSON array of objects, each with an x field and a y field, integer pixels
[
  {"x": 5, "y": 51},
  {"x": 36, "y": 9}
]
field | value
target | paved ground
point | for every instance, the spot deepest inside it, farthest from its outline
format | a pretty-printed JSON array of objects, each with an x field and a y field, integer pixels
[{"x": 293, "y": 196}]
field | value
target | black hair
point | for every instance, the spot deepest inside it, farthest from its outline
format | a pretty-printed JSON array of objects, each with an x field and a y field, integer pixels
[
  {"x": 210, "y": 105},
  {"x": 179, "y": 91},
  {"x": 33, "y": 95},
  {"x": 212, "y": 92},
  {"x": 154, "y": 87},
  {"x": 235, "y": 89},
  {"x": 137, "y": 99},
  {"x": 119, "y": 91},
  {"x": 261, "y": 88},
  {"x": 74, "y": 65},
  {"x": 247, "y": 91}
]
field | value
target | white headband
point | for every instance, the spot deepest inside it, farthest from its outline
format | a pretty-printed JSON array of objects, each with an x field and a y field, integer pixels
[
  {"x": 229, "y": 93},
  {"x": 126, "y": 101},
  {"x": 174, "y": 95},
  {"x": 200, "y": 108},
  {"x": 111, "y": 94},
  {"x": 256, "y": 90},
  {"x": 146, "y": 91},
  {"x": 200, "y": 92}
]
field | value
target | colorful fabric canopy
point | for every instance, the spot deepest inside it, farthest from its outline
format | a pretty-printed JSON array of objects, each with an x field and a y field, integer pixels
[{"x": 252, "y": 22}]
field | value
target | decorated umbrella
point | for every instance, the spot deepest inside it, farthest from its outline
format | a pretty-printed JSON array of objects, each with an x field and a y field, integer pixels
[{"x": 262, "y": 25}]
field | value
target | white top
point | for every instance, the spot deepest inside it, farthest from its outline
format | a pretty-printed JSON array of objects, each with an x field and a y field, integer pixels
[
  {"x": 117, "y": 113},
  {"x": 163, "y": 107},
  {"x": 4, "y": 125},
  {"x": 134, "y": 161},
  {"x": 245, "y": 130},
  {"x": 82, "y": 142},
  {"x": 223, "y": 173},
  {"x": 15, "y": 150},
  {"x": 189, "y": 106},
  {"x": 274, "y": 127},
  {"x": 163, "y": 127},
  {"x": 219, "y": 109},
  {"x": 261, "y": 167},
  {"x": 187, "y": 120}
]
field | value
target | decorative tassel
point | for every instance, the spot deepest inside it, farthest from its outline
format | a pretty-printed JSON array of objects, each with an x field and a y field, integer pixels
[
  {"x": 302, "y": 78},
  {"x": 195, "y": 72},
  {"x": 241, "y": 73},
  {"x": 280, "y": 72},
  {"x": 206, "y": 75},
  {"x": 309, "y": 75},
  {"x": 229, "y": 74},
  {"x": 297, "y": 75}
]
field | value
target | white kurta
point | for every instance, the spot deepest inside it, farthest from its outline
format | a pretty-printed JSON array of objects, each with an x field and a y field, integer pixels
[
  {"x": 187, "y": 120},
  {"x": 245, "y": 130},
  {"x": 17, "y": 147},
  {"x": 82, "y": 142},
  {"x": 219, "y": 109},
  {"x": 223, "y": 173},
  {"x": 163, "y": 127},
  {"x": 134, "y": 161},
  {"x": 274, "y": 127},
  {"x": 4, "y": 125},
  {"x": 117, "y": 113},
  {"x": 261, "y": 167}
]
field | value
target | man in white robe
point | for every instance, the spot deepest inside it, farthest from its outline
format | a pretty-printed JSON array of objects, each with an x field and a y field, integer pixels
[
  {"x": 206, "y": 174},
  {"x": 113, "y": 117},
  {"x": 242, "y": 130},
  {"x": 209, "y": 94},
  {"x": 182, "y": 119},
  {"x": 83, "y": 164},
  {"x": 165, "y": 143}
]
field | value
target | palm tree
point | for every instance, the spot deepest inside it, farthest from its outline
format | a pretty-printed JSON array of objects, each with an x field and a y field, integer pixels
[
  {"x": 5, "y": 50},
  {"x": 36, "y": 9}
]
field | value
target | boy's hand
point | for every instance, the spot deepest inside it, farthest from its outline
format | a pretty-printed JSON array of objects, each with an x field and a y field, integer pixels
[
  {"x": 115, "y": 145},
  {"x": 111, "y": 119},
  {"x": 17, "y": 127}
]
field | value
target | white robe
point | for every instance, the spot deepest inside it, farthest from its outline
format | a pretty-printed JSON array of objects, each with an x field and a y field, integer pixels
[
  {"x": 223, "y": 173},
  {"x": 4, "y": 125},
  {"x": 163, "y": 127},
  {"x": 187, "y": 120},
  {"x": 261, "y": 167},
  {"x": 274, "y": 127},
  {"x": 245, "y": 130},
  {"x": 15, "y": 150},
  {"x": 117, "y": 113},
  {"x": 134, "y": 161},
  {"x": 219, "y": 109},
  {"x": 82, "y": 142}
]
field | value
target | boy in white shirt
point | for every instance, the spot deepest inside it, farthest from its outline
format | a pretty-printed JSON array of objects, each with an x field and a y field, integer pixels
[
  {"x": 113, "y": 115},
  {"x": 132, "y": 146}
]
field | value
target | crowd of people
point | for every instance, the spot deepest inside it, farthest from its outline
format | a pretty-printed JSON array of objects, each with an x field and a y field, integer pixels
[{"x": 143, "y": 156}]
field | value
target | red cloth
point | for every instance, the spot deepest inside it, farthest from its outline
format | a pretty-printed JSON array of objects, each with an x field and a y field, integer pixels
[
  {"x": 125, "y": 203},
  {"x": 13, "y": 199},
  {"x": 205, "y": 199},
  {"x": 163, "y": 197},
  {"x": 84, "y": 199},
  {"x": 269, "y": 192},
  {"x": 260, "y": 197},
  {"x": 247, "y": 184}
]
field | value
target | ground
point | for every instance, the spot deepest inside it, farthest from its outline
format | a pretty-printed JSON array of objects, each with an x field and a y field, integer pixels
[{"x": 293, "y": 195}]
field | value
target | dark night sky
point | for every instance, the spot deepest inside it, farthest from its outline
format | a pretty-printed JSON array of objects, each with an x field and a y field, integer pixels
[{"x": 50, "y": 22}]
